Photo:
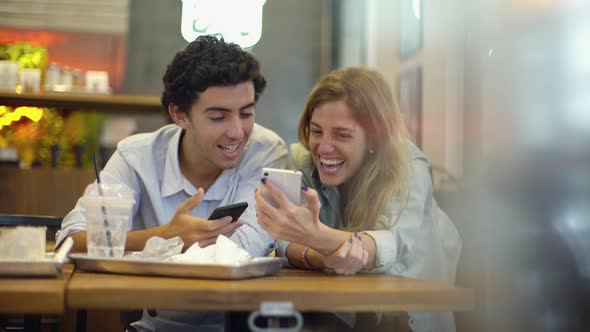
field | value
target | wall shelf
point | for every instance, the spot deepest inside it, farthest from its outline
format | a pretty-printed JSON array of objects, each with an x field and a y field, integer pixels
[
  {"x": 107, "y": 103},
  {"x": 41, "y": 191}
]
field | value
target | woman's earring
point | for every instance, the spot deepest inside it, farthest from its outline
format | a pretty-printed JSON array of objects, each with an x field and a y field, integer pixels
[{"x": 371, "y": 151}]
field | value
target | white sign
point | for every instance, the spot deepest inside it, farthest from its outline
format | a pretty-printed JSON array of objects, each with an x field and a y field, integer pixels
[{"x": 238, "y": 21}]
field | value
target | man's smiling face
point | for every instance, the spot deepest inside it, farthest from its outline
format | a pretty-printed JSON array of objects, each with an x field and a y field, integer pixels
[{"x": 220, "y": 123}]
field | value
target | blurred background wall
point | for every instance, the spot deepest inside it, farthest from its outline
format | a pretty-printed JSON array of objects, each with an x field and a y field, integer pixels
[
  {"x": 501, "y": 100},
  {"x": 504, "y": 112},
  {"x": 289, "y": 52}
]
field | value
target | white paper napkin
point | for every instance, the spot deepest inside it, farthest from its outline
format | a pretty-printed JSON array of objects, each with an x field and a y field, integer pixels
[{"x": 224, "y": 251}]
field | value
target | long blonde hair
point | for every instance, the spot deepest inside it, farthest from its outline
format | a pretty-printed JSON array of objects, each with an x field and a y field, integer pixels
[{"x": 382, "y": 177}]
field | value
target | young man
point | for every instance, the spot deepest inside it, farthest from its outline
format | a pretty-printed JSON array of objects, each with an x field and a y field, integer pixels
[{"x": 212, "y": 156}]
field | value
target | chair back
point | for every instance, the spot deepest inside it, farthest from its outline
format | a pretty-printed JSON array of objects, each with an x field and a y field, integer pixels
[{"x": 29, "y": 220}]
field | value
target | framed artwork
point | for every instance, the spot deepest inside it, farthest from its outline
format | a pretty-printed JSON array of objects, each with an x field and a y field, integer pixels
[
  {"x": 410, "y": 27},
  {"x": 409, "y": 93}
]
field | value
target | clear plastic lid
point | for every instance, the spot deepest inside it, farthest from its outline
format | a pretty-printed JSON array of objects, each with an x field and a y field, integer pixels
[{"x": 107, "y": 194}]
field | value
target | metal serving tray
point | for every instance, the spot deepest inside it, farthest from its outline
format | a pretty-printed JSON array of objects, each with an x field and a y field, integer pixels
[
  {"x": 258, "y": 267},
  {"x": 47, "y": 267}
]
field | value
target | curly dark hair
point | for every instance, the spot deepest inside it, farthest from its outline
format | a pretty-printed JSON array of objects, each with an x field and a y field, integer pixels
[{"x": 208, "y": 61}]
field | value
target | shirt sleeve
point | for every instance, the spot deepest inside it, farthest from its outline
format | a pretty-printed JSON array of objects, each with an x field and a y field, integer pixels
[
  {"x": 251, "y": 236},
  {"x": 116, "y": 171},
  {"x": 396, "y": 240}
]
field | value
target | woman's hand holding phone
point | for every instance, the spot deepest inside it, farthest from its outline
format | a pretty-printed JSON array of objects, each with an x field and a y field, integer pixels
[
  {"x": 288, "y": 221},
  {"x": 297, "y": 223}
]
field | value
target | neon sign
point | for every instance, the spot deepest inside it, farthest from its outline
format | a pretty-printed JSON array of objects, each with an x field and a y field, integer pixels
[{"x": 238, "y": 21}]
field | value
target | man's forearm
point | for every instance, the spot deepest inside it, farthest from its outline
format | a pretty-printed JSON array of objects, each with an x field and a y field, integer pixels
[
  {"x": 135, "y": 239},
  {"x": 79, "y": 242}
]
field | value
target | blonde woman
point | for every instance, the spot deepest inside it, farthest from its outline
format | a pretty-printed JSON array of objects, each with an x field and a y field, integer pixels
[{"x": 369, "y": 198}]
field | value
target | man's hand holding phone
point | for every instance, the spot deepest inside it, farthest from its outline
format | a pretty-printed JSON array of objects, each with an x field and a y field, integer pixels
[
  {"x": 232, "y": 210},
  {"x": 193, "y": 229}
]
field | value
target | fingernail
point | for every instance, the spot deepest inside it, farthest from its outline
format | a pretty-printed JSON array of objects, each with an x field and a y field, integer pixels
[
  {"x": 349, "y": 241},
  {"x": 304, "y": 188},
  {"x": 356, "y": 235},
  {"x": 360, "y": 237},
  {"x": 263, "y": 180}
]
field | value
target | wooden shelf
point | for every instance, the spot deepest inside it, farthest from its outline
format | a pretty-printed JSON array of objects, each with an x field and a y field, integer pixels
[
  {"x": 115, "y": 103},
  {"x": 41, "y": 191}
]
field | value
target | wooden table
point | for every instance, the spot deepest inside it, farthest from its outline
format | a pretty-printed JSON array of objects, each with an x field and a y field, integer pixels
[
  {"x": 34, "y": 295},
  {"x": 306, "y": 290}
]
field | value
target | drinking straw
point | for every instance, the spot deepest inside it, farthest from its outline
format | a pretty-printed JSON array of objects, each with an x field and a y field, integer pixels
[{"x": 104, "y": 210}]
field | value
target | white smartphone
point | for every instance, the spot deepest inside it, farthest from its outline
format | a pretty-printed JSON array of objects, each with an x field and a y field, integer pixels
[{"x": 287, "y": 180}]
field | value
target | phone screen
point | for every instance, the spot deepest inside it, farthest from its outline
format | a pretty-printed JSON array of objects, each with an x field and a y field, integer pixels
[
  {"x": 232, "y": 210},
  {"x": 288, "y": 181}
]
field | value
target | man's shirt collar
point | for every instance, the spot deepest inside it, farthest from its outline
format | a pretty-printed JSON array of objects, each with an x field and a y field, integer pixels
[{"x": 173, "y": 181}]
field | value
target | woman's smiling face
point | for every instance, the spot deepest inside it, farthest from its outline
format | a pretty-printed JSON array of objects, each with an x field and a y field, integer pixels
[{"x": 337, "y": 142}]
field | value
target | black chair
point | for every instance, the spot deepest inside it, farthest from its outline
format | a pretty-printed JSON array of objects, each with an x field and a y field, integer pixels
[
  {"x": 30, "y": 322},
  {"x": 29, "y": 220}
]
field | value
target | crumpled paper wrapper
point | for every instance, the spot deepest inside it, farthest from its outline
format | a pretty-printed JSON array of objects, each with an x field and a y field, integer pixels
[
  {"x": 224, "y": 251},
  {"x": 159, "y": 248}
]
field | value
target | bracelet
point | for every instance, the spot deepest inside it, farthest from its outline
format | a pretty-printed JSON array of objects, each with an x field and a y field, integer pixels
[{"x": 304, "y": 259}]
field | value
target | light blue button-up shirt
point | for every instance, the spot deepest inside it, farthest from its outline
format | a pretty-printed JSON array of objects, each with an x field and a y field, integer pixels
[{"x": 148, "y": 164}]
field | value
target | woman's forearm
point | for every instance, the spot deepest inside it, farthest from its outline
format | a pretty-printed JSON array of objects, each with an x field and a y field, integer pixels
[
  {"x": 304, "y": 259},
  {"x": 326, "y": 240},
  {"x": 294, "y": 253},
  {"x": 370, "y": 247}
]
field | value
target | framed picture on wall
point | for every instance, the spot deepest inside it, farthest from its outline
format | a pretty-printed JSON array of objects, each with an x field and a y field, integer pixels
[
  {"x": 410, "y": 27},
  {"x": 409, "y": 94}
]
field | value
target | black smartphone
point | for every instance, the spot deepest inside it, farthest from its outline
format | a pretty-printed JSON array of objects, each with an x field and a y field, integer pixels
[{"x": 232, "y": 210}]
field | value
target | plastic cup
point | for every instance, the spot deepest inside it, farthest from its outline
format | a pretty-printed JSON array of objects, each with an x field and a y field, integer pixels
[
  {"x": 22, "y": 243},
  {"x": 108, "y": 214}
]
